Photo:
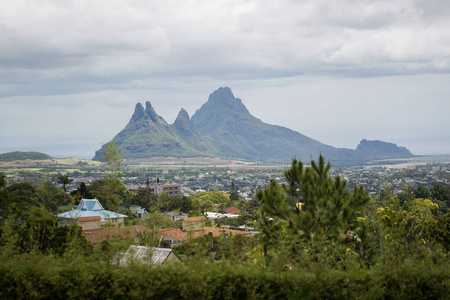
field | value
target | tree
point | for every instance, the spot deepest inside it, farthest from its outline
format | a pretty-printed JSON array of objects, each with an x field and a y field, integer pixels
[
  {"x": 144, "y": 198},
  {"x": 81, "y": 192},
  {"x": 3, "y": 196},
  {"x": 406, "y": 196},
  {"x": 234, "y": 195},
  {"x": 158, "y": 221},
  {"x": 440, "y": 192},
  {"x": 422, "y": 192},
  {"x": 113, "y": 159},
  {"x": 19, "y": 196},
  {"x": 64, "y": 180},
  {"x": 439, "y": 231},
  {"x": 2, "y": 181},
  {"x": 111, "y": 192},
  {"x": 40, "y": 233},
  {"x": 51, "y": 197},
  {"x": 313, "y": 201},
  {"x": 313, "y": 206}
]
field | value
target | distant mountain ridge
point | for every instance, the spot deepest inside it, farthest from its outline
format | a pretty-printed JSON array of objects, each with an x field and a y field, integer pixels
[{"x": 224, "y": 127}]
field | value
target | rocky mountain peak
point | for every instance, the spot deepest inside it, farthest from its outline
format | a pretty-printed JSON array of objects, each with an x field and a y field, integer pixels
[
  {"x": 150, "y": 111},
  {"x": 183, "y": 114},
  {"x": 139, "y": 112},
  {"x": 223, "y": 98},
  {"x": 184, "y": 124}
]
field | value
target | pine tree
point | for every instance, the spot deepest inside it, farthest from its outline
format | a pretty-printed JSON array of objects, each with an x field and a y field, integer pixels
[
  {"x": 312, "y": 203},
  {"x": 234, "y": 195},
  {"x": 113, "y": 160}
]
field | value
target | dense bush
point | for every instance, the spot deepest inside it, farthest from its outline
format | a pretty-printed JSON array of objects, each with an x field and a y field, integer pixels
[{"x": 41, "y": 277}]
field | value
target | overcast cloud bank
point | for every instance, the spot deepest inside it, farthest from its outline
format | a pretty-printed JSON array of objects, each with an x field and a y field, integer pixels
[{"x": 337, "y": 71}]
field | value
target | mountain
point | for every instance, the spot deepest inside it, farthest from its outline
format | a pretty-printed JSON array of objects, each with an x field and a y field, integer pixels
[
  {"x": 225, "y": 120},
  {"x": 224, "y": 127},
  {"x": 147, "y": 134},
  {"x": 376, "y": 150}
]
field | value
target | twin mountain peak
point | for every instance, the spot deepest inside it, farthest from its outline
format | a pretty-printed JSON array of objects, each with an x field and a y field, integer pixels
[{"x": 223, "y": 127}]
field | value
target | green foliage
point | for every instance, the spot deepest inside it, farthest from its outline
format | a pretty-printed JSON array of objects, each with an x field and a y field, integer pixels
[
  {"x": 207, "y": 201},
  {"x": 311, "y": 217},
  {"x": 19, "y": 196},
  {"x": 113, "y": 159},
  {"x": 51, "y": 197},
  {"x": 144, "y": 198},
  {"x": 177, "y": 203},
  {"x": 64, "y": 180},
  {"x": 337, "y": 244},
  {"x": 111, "y": 192},
  {"x": 158, "y": 221},
  {"x": 406, "y": 196},
  {"x": 81, "y": 192},
  {"x": 37, "y": 231},
  {"x": 234, "y": 194},
  {"x": 3, "y": 181},
  {"x": 438, "y": 230},
  {"x": 424, "y": 206},
  {"x": 34, "y": 276},
  {"x": 314, "y": 202},
  {"x": 440, "y": 192},
  {"x": 422, "y": 192},
  {"x": 235, "y": 248}
]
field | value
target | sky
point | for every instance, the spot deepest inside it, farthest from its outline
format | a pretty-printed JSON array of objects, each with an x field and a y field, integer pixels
[{"x": 71, "y": 72}]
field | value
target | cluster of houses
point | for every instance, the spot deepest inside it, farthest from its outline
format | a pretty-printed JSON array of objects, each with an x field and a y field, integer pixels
[{"x": 91, "y": 215}]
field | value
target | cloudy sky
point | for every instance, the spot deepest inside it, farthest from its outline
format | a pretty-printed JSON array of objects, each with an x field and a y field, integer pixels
[{"x": 337, "y": 71}]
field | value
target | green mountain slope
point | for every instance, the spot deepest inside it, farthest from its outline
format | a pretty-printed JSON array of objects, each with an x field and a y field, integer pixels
[{"x": 147, "y": 135}]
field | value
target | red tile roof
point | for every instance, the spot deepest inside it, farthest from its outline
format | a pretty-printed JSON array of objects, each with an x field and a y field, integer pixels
[
  {"x": 194, "y": 219},
  {"x": 233, "y": 210},
  {"x": 178, "y": 234},
  {"x": 87, "y": 219},
  {"x": 114, "y": 233}
]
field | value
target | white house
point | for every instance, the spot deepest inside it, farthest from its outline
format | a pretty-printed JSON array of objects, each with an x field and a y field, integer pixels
[{"x": 87, "y": 209}]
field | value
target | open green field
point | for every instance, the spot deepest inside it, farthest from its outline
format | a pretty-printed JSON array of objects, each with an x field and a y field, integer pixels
[{"x": 413, "y": 161}]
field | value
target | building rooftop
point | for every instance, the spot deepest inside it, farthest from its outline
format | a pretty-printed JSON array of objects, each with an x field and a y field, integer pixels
[
  {"x": 178, "y": 234},
  {"x": 88, "y": 219},
  {"x": 146, "y": 255},
  {"x": 90, "y": 208},
  {"x": 96, "y": 236},
  {"x": 194, "y": 219}
]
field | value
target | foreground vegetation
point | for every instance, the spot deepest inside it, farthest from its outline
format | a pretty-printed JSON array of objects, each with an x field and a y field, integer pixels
[
  {"x": 40, "y": 277},
  {"x": 318, "y": 239}
]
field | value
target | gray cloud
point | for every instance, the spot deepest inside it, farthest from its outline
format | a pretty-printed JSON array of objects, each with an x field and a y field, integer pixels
[{"x": 91, "y": 60}]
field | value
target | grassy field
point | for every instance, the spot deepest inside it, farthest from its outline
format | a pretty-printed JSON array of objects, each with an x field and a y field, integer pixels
[{"x": 413, "y": 161}]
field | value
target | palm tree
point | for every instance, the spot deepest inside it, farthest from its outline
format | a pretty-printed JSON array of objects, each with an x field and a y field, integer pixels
[{"x": 64, "y": 180}]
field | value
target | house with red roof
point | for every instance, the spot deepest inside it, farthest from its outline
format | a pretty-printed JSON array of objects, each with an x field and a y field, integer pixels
[
  {"x": 233, "y": 210},
  {"x": 192, "y": 228},
  {"x": 96, "y": 236}
]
